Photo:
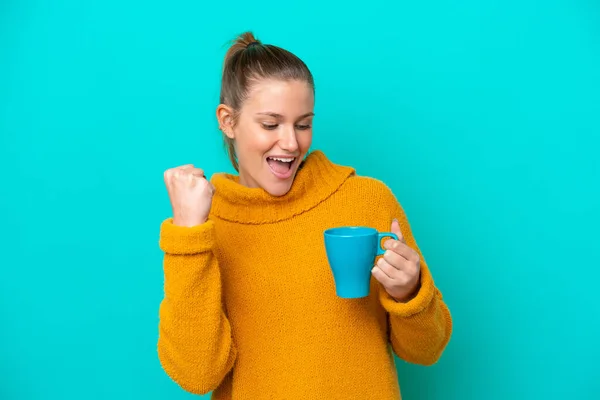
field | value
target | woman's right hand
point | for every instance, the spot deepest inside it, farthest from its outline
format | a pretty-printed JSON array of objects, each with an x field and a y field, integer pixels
[{"x": 190, "y": 194}]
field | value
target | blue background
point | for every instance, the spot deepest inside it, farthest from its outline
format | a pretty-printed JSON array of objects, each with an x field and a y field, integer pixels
[{"x": 482, "y": 116}]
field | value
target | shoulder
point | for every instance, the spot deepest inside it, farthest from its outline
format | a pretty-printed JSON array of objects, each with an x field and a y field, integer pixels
[
  {"x": 370, "y": 186},
  {"x": 354, "y": 189},
  {"x": 370, "y": 191}
]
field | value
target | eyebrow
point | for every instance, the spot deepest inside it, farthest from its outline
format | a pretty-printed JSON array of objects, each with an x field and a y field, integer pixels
[{"x": 275, "y": 115}]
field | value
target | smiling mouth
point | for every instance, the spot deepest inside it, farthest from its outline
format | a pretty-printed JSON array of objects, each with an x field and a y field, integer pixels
[{"x": 281, "y": 167}]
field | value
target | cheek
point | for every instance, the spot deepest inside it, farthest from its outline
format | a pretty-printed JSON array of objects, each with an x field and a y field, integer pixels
[
  {"x": 305, "y": 140},
  {"x": 252, "y": 140}
]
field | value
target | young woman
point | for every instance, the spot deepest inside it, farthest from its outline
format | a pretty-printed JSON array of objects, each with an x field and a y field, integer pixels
[{"x": 250, "y": 310}]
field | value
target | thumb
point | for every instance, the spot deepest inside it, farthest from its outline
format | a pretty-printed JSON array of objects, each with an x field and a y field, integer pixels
[{"x": 396, "y": 229}]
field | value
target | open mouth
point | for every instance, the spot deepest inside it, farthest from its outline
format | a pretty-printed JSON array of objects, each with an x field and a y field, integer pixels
[{"x": 281, "y": 167}]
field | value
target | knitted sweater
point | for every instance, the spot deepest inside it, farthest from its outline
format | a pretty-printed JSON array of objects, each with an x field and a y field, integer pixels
[{"x": 250, "y": 310}]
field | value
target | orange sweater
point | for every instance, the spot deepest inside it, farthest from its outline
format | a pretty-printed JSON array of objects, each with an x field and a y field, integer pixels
[{"x": 250, "y": 310}]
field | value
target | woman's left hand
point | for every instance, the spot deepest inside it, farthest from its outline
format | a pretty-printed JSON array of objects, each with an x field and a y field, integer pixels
[{"x": 399, "y": 269}]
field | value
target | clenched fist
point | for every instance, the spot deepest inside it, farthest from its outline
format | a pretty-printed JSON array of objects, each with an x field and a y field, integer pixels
[{"x": 190, "y": 194}]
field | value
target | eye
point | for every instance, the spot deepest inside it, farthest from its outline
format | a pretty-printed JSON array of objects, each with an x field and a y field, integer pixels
[
  {"x": 303, "y": 127},
  {"x": 269, "y": 127}
]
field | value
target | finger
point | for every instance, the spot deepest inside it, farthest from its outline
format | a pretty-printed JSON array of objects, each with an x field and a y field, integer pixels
[
  {"x": 184, "y": 167},
  {"x": 204, "y": 183},
  {"x": 170, "y": 175},
  {"x": 397, "y": 261},
  {"x": 387, "y": 268},
  {"x": 198, "y": 172},
  {"x": 402, "y": 249},
  {"x": 188, "y": 173},
  {"x": 381, "y": 276},
  {"x": 397, "y": 231},
  {"x": 182, "y": 172}
]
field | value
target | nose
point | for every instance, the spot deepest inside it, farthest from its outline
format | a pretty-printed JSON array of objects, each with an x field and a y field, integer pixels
[{"x": 288, "y": 141}]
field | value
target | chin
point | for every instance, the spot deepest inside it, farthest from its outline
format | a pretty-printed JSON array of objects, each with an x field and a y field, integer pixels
[
  {"x": 279, "y": 184},
  {"x": 279, "y": 189}
]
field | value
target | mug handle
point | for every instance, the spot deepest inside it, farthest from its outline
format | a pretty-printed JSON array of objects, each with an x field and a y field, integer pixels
[{"x": 380, "y": 236}]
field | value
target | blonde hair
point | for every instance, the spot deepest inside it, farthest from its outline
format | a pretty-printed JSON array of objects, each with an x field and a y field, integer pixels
[{"x": 246, "y": 62}]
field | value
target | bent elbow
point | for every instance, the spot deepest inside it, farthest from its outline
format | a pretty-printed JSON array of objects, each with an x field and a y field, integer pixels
[
  {"x": 423, "y": 355},
  {"x": 196, "y": 378},
  {"x": 428, "y": 360}
]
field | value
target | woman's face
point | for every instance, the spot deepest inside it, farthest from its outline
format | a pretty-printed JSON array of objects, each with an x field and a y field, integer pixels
[{"x": 273, "y": 133}]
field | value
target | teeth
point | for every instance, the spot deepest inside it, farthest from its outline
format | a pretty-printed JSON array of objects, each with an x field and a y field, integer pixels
[{"x": 282, "y": 159}]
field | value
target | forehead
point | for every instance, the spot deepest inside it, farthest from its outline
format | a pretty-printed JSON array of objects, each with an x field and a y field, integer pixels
[{"x": 284, "y": 97}]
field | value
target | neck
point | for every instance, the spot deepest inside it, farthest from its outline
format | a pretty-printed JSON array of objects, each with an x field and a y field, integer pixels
[{"x": 316, "y": 179}]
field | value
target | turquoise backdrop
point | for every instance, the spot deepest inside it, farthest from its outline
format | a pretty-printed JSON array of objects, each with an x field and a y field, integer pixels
[{"x": 482, "y": 116}]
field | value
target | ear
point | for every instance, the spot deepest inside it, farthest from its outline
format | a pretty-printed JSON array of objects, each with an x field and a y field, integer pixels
[{"x": 225, "y": 120}]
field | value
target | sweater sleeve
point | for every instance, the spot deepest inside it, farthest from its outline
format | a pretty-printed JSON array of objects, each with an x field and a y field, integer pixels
[
  {"x": 420, "y": 328},
  {"x": 195, "y": 345}
]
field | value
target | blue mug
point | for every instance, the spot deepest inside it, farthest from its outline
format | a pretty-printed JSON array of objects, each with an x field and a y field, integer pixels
[{"x": 351, "y": 253}]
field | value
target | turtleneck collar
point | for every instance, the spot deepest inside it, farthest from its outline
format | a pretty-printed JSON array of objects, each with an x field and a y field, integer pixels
[{"x": 316, "y": 179}]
